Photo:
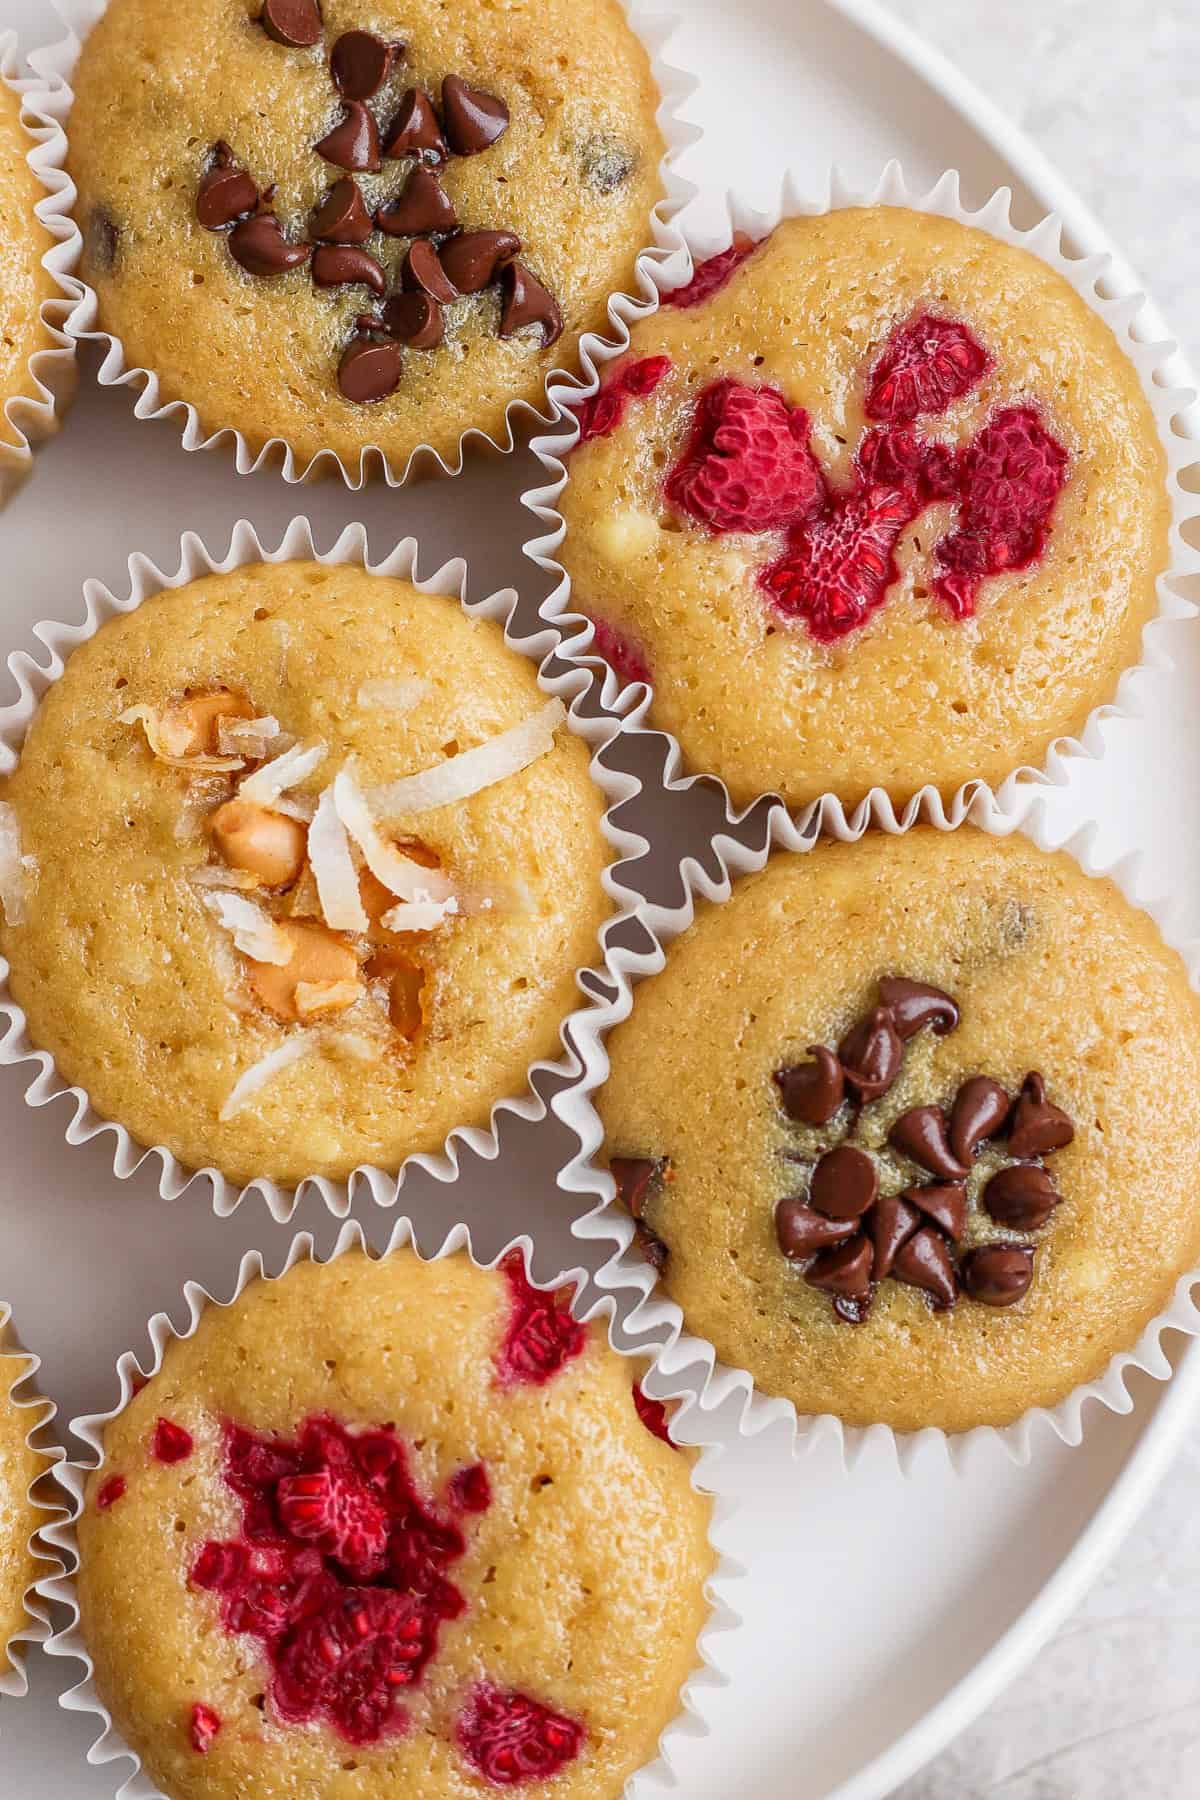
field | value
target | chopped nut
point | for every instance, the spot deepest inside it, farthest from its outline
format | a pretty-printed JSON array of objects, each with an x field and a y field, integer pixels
[
  {"x": 264, "y": 843},
  {"x": 190, "y": 727},
  {"x": 325, "y": 996},
  {"x": 320, "y": 958},
  {"x": 407, "y": 979}
]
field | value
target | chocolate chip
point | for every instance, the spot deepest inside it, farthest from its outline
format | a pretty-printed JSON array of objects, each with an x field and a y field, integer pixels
[
  {"x": 296, "y": 23},
  {"x": 607, "y": 165},
  {"x": 998, "y": 1274},
  {"x": 844, "y": 1270},
  {"x": 472, "y": 259},
  {"x": 527, "y": 302},
  {"x": 1023, "y": 1196},
  {"x": 913, "y": 1005},
  {"x": 844, "y": 1183},
  {"x": 226, "y": 192},
  {"x": 370, "y": 371},
  {"x": 801, "y": 1231},
  {"x": 812, "y": 1092},
  {"x": 945, "y": 1202},
  {"x": 921, "y": 1134},
  {"x": 1038, "y": 1126},
  {"x": 103, "y": 239},
  {"x": 342, "y": 217},
  {"x": 422, "y": 208},
  {"x": 423, "y": 272},
  {"x": 870, "y": 1054},
  {"x": 925, "y": 1262},
  {"x": 415, "y": 319},
  {"x": 634, "y": 1175},
  {"x": 259, "y": 245},
  {"x": 891, "y": 1222},
  {"x": 361, "y": 63},
  {"x": 474, "y": 120},
  {"x": 336, "y": 265},
  {"x": 354, "y": 141},
  {"x": 852, "y": 1312},
  {"x": 651, "y": 1246},
  {"x": 415, "y": 130},
  {"x": 980, "y": 1109}
]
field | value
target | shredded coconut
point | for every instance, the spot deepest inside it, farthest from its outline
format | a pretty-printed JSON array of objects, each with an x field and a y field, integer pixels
[
  {"x": 325, "y": 996},
  {"x": 421, "y": 913},
  {"x": 247, "y": 737},
  {"x": 398, "y": 696},
  {"x": 356, "y": 1044},
  {"x": 12, "y": 866},
  {"x": 295, "y": 806},
  {"x": 216, "y": 875},
  {"x": 168, "y": 742},
  {"x": 333, "y": 867},
  {"x": 398, "y": 873},
  {"x": 458, "y": 777},
  {"x": 253, "y": 931},
  {"x": 260, "y": 1073},
  {"x": 287, "y": 771}
]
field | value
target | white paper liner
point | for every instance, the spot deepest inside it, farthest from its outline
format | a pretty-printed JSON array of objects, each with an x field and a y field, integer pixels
[
  {"x": 654, "y": 1778},
  {"x": 41, "y": 1413},
  {"x": 570, "y": 686},
  {"x": 53, "y": 374},
  {"x": 665, "y": 254},
  {"x": 628, "y": 1273},
  {"x": 1159, "y": 365}
]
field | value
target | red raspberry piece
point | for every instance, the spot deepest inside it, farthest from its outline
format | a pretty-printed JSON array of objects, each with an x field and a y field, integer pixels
[
  {"x": 351, "y": 1662},
  {"x": 603, "y": 411},
  {"x": 114, "y": 1489},
  {"x": 254, "y": 1464},
  {"x": 542, "y": 1336},
  {"x": 892, "y": 457},
  {"x": 334, "y": 1509},
  {"x": 511, "y": 1738},
  {"x": 619, "y": 651},
  {"x": 747, "y": 465},
  {"x": 838, "y": 567},
  {"x": 652, "y": 1413},
  {"x": 470, "y": 1490},
  {"x": 1012, "y": 475},
  {"x": 421, "y": 1547},
  {"x": 172, "y": 1444},
  {"x": 924, "y": 366},
  {"x": 204, "y": 1726},
  {"x": 710, "y": 276}
]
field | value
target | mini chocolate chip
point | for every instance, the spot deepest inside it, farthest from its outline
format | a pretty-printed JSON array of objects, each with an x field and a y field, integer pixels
[
  {"x": 354, "y": 141},
  {"x": 527, "y": 302},
  {"x": 945, "y": 1202},
  {"x": 474, "y": 120},
  {"x": 103, "y": 239},
  {"x": 925, "y": 1262},
  {"x": 259, "y": 245},
  {"x": 370, "y": 371},
  {"x": 415, "y": 130},
  {"x": 651, "y": 1246},
  {"x": 634, "y": 1175},
  {"x": 361, "y": 63},
  {"x": 980, "y": 1109},
  {"x": 1038, "y": 1126},
  {"x": 891, "y": 1222},
  {"x": 913, "y": 1005},
  {"x": 342, "y": 217},
  {"x": 295, "y": 23},
  {"x": 472, "y": 259},
  {"x": 607, "y": 165},
  {"x": 422, "y": 208},
  {"x": 1023, "y": 1196},
  {"x": 844, "y": 1183},
  {"x": 998, "y": 1274},
  {"x": 416, "y": 319},
  {"x": 226, "y": 192},
  {"x": 801, "y": 1231},
  {"x": 844, "y": 1270},
  {"x": 423, "y": 272},
  {"x": 812, "y": 1092},
  {"x": 871, "y": 1053},
  {"x": 921, "y": 1134},
  {"x": 337, "y": 265}
]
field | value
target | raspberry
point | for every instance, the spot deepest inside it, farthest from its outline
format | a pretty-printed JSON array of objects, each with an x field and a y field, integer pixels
[
  {"x": 334, "y": 1509},
  {"x": 204, "y": 1726},
  {"x": 114, "y": 1489},
  {"x": 893, "y": 457},
  {"x": 510, "y": 1738},
  {"x": 838, "y": 567},
  {"x": 652, "y": 1413},
  {"x": 639, "y": 379},
  {"x": 350, "y": 1662},
  {"x": 421, "y": 1547},
  {"x": 172, "y": 1444},
  {"x": 1012, "y": 475},
  {"x": 619, "y": 652},
  {"x": 253, "y": 1464},
  {"x": 542, "y": 1336},
  {"x": 709, "y": 277},
  {"x": 747, "y": 465},
  {"x": 923, "y": 367},
  {"x": 603, "y": 411},
  {"x": 470, "y": 1490}
]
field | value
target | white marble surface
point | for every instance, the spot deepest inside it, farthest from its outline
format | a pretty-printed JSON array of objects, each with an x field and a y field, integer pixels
[{"x": 1110, "y": 1710}]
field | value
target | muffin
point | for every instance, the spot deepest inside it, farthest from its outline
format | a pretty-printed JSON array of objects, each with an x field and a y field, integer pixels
[
  {"x": 936, "y": 1163},
  {"x": 349, "y": 226},
  {"x": 25, "y": 286},
  {"x": 879, "y": 502},
  {"x": 389, "y": 1527},
  {"x": 298, "y": 868},
  {"x": 20, "y": 1467}
]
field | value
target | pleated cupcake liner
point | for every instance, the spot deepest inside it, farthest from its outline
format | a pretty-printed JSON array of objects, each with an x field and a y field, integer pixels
[
  {"x": 35, "y": 415},
  {"x": 688, "y": 1363},
  {"x": 43, "y": 1496},
  {"x": 68, "y": 1643},
  {"x": 1166, "y": 381},
  {"x": 569, "y": 685},
  {"x": 663, "y": 257}
]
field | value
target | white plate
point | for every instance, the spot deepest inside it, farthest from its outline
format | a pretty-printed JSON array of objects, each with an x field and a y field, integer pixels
[{"x": 881, "y": 1612}]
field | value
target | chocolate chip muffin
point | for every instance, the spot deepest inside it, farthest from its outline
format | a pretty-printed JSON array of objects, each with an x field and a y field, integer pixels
[
  {"x": 25, "y": 286},
  {"x": 386, "y": 1527},
  {"x": 879, "y": 502},
  {"x": 934, "y": 1164},
  {"x": 347, "y": 225}
]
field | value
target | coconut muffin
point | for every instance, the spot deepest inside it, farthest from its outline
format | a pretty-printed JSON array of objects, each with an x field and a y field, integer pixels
[
  {"x": 878, "y": 502},
  {"x": 20, "y": 1467},
  {"x": 936, "y": 1174},
  {"x": 299, "y": 865},
  {"x": 390, "y": 1527},
  {"x": 358, "y": 224},
  {"x": 25, "y": 285}
]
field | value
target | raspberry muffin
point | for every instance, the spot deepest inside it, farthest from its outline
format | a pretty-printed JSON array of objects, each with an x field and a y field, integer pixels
[
  {"x": 25, "y": 286},
  {"x": 19, "y": 1469},
  {"x": 347, "y": 225},
  {"x": 298, "y": 869},
  {"x": 877, "y": 502},
  {"x": 942, "y": 1171},
  {"x": 387, "y": 1527}
]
